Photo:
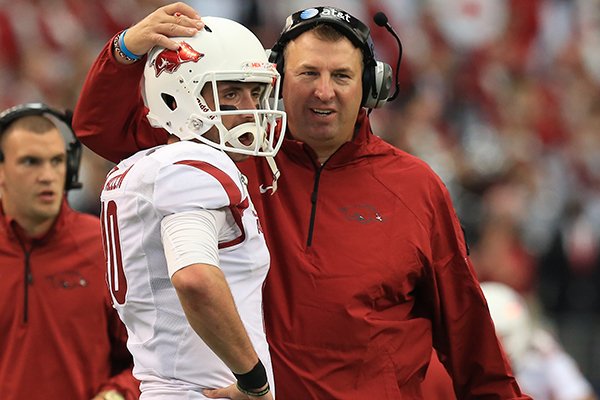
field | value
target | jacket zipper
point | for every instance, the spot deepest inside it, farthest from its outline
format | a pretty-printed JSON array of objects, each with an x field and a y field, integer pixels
[
  {"x": 28, "y": 281},
  {"x": 313, "y": 200}
]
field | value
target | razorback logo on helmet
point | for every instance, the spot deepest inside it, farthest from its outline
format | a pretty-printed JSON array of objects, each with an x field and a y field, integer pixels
[{"x": 170, "y": 60}]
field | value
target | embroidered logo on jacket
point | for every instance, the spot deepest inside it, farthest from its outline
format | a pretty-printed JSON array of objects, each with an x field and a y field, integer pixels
[{"x": 363, "y": 213}]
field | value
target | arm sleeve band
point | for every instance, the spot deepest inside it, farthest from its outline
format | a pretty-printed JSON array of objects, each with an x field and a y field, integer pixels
[{"x": 192, "y": 237}]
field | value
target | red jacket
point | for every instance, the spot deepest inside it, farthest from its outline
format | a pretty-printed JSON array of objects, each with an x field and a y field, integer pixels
[
  {"x": 60, "y": 338},
  {"x": 369, "y": 264}
]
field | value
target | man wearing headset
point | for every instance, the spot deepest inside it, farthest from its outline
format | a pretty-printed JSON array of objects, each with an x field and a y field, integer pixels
[
  {"x": 60, "y": 338},
  {"x": 369, "y": 267}
]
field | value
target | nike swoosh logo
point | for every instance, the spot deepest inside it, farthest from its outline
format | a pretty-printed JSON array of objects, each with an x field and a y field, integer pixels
[{"x": 264, "y": 189}]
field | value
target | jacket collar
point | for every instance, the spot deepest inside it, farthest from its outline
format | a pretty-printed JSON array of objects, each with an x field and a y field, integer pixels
[
  {"x": 14, "y": 230},
  {"x": 348, "y": 152}
]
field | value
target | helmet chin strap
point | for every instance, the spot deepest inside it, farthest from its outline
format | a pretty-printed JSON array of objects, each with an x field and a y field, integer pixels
[
  {"x": 248, "y": 127},
  {"x": 255, "y": 131},
  {"x": 276, "y": 173}
]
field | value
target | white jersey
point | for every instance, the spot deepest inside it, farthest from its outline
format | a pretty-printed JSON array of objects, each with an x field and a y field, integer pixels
[{"x": 170, "y": 358}]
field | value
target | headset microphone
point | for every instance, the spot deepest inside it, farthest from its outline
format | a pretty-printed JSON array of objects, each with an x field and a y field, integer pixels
[{"x": 381, "y": 20}]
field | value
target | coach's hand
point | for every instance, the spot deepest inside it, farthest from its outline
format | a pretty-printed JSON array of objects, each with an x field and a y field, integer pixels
[{"x": 177, "y": 19}]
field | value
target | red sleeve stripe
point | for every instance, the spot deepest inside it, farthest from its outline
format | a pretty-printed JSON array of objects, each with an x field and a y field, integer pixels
[
  {"x": 237, "y": 212},
  {"x": 233, "y": 192}
]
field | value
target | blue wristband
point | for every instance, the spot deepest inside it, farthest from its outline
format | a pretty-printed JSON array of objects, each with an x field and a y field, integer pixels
[{"x": 125, "y": 50}]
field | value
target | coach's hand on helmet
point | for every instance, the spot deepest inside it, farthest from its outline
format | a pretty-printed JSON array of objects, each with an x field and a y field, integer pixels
[{"x": 176, "y": 19}]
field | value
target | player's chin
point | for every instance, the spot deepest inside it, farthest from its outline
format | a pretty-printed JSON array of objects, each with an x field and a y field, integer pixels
[{"x": 237, "y": 157}]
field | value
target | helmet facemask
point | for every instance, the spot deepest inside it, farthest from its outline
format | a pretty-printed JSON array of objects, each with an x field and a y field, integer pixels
[{"x": 259, "y": 135}]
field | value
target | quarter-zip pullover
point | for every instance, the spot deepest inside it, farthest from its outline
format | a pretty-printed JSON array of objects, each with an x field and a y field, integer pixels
[{"x": 60, "y": 338}]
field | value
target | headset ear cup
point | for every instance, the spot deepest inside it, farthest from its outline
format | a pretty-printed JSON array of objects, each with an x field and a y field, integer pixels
[
  {"x": 377, "y": 92},
  {"x": 383, "y": 81},
  {"x": 275, "y": 56},
  {"x": 73, "y": 153},
  {"x": 73, "y": 162},
  {"x": 368, "y": 80},
  {"x": 69, "y": 175}
]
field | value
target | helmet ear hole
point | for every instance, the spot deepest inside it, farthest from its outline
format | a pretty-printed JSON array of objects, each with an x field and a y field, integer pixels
[{"x": 169, "y": 101}]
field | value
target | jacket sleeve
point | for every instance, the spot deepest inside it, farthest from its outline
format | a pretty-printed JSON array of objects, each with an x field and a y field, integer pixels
[
  {"x": 110, "y": 115},
  {"x": 463, "y": 331},
  {"x": 122, "y": 379}
]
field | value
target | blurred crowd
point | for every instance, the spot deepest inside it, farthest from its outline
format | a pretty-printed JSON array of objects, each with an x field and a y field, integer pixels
[{"x": 501, "y": 98}]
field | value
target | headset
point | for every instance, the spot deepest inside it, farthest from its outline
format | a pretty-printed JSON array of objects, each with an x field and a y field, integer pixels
[
  {"x": 377, "y": 75},
  {"x": 12, "y": 114}
]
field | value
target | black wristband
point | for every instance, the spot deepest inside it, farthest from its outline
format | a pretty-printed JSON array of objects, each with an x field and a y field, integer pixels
[
  {"x": 253, "y": 380},
  {"x": 254, "y": 394}
]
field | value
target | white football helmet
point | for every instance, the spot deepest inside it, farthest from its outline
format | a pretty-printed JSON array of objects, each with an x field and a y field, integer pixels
[
  {"x": 223, "y": 51},
  {"x": 511, "y": 316}
]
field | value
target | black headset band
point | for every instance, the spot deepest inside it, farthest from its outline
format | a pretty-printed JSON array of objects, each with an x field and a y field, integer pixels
[
  {"x": 12, "y": 114},
  {"x": 349, "y": 26}
]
